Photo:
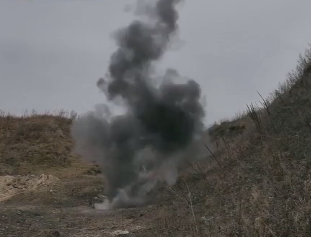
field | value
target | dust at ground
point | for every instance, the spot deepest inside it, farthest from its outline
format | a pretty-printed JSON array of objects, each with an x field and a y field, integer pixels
[
  {"x": 59, "y": 202},
  {"x": 47, "y": 205},
  {"x": 17, "y": 220}
]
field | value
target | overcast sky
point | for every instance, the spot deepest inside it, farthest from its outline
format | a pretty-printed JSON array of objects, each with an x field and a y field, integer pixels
[{"x": 52, "y": 52}]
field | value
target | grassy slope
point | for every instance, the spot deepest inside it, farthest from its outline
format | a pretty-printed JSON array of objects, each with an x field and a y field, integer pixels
[
  {"x": 265, "y": 185},
  {"x": 262, "y": 186},
  {"x": 32, "y": 141},
  {"x": 41, "y": 144}
]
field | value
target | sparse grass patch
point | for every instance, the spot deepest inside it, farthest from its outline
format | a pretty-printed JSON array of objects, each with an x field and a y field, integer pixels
[{"x": 35, "y": 140}]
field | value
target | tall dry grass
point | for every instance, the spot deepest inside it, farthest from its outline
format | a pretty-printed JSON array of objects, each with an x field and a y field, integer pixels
[{"x": 264, "y": 185}]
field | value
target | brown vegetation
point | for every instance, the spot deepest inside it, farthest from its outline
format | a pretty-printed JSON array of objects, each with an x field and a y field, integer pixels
[{"x": 263, "y": 187}]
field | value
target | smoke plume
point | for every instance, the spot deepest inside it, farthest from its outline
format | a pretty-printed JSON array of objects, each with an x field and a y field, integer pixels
[{"x": 161, "y": 122}]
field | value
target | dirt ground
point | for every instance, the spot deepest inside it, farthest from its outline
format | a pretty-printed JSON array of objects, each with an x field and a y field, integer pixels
[
  {"x": 34, "y": 206},
  {"x": 60, "y": 203},
  {"x": 26, "y": 220}
]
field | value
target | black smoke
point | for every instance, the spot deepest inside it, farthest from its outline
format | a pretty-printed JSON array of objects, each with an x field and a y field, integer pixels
[{"x": 161, "y": 123}]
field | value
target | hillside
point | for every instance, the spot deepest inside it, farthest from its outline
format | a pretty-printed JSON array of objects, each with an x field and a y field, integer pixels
[{"x": 258, "y": 184}]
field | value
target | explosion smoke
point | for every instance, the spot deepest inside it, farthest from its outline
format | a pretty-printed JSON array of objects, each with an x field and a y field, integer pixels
[{"x": 161, "y": 123}]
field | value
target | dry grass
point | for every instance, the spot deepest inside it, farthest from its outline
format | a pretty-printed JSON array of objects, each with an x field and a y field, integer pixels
[
  {"x": 41, "y": 144},
  {"x": 265, "y": 189},
  {"x": 261, "y": 186},
  {"x": 34, "y": 140}
]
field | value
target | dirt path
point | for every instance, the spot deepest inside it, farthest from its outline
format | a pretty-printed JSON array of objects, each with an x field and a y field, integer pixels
[
  {"x": 44, "y": 206},
  {"x": 23, "y": 220},
  {"x": 59, "y": 202}
]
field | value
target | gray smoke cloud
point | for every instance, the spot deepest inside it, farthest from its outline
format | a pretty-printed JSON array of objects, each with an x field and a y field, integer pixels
[{"x": 162, "y": 119}]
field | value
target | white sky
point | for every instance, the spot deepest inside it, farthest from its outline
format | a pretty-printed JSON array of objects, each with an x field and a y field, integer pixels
[{"x": 53, "y": 51}]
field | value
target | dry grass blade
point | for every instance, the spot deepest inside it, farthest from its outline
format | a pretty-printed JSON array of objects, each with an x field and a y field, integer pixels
[{"x": 213, "y": 156}]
